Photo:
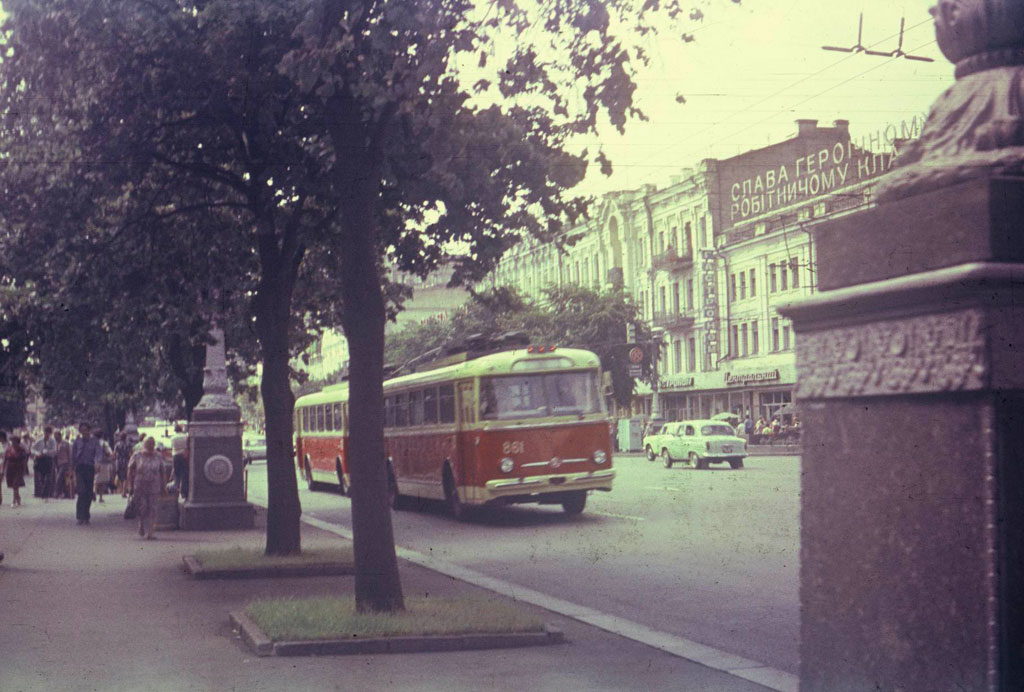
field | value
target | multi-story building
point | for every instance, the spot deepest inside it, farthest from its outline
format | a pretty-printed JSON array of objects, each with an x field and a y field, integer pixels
[{"x": 710, "y": 257}]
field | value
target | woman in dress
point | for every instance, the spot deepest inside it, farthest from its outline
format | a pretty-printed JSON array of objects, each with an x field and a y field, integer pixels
[
  {"x": 15, "y": 467},
  {"x": 148, "y": 481},
  {"x": 104, "y": 467}
]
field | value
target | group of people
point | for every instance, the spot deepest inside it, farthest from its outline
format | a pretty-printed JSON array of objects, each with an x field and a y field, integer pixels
[
  {"x": 88, "y": 468},
  {"x": 770, "y": 431}
]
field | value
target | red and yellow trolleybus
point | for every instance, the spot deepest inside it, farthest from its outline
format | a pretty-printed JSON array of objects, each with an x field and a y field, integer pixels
[{"x": 516, "y": 426}]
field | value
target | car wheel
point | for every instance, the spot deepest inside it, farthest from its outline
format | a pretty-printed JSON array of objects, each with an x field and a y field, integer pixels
[
  {"x": 650, "y": 454},
  {"x": 736, "y": 463},
  {"x": 575, "y": 503},
  {"x": 341, "y": 476},
  {"x": 451, "y": 496},
  {"x": 666, "y": 458},
  {"x": 310, "y": 483},
  {"x": 697, "y": 462}
]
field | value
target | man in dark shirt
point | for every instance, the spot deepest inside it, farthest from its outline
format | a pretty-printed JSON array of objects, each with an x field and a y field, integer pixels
[{"x": 84, "y": 453}]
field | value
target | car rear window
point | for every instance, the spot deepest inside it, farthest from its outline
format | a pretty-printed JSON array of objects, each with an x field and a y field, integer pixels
[{"x": 711, "y": 430}]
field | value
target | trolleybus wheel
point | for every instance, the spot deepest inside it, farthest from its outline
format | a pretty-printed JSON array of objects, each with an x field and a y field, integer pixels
[
  {"x": 341, "y": 476},
  {"x": 575, "y": 503},
  {"x": 451, "y": 496}
]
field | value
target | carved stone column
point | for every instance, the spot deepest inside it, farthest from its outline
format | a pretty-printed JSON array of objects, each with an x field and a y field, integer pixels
[
  {"x": 216, "y": 492},
  {"x": 911, "y": 388}
]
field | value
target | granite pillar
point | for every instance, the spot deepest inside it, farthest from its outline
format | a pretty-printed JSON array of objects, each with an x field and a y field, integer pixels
[{"x": 216, "y": 492}]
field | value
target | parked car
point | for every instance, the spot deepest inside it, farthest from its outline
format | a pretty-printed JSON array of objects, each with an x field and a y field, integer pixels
[
  {"x": 698, "y": 443},
  {"x": 651, "y": 429},
  {"x": 254, "y": 448}
]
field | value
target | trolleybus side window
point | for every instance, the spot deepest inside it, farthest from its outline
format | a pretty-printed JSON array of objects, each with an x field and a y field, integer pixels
[
  {"x": 401, "y": 409},
  {"x": 319, "y": 418},
  {"x": 329, "y": 413},
  {"x": 430, "y": 405},
  {"x": 416, "y": 407},
  {"x": 305, "y": 419},
  {"x": 447, "y": 401},
  {"x": 338, "y": 424},
  {"x": 389, "y": 412}
]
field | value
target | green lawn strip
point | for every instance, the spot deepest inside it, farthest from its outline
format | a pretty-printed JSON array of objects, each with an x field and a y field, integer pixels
[
  {"x": 310, "y": 619},
  {"x": 244, "y": 558}
]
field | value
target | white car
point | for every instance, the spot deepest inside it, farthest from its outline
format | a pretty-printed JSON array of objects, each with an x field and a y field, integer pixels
[{"x": 698, "y": 443}]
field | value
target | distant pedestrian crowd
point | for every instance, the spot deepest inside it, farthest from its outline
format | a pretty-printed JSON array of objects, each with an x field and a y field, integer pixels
[{"x": 87, "y": 469}]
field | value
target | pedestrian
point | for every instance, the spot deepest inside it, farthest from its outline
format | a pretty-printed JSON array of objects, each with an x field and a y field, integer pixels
[
  {"x": 138, "y": 445},
  {"x": 104, "y": 467},
  {"x": 45, "y": 451},
  {"x": 122, "y": 455},
  {"x": 179, "y": 448},
  {"x": 748, "y": 426},
  {"x": 85, "y": 453},
  {"x": 15, "y": 467},
  {"x": 148, "y": 482},
  {"x": 63, "y": 477}
]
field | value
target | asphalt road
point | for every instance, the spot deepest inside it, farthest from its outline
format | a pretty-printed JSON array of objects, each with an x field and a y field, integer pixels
[{"x": 711, "y": 556}]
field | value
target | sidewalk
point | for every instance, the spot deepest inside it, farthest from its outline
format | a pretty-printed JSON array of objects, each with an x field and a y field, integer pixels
[{"x": 96, "y": 608}]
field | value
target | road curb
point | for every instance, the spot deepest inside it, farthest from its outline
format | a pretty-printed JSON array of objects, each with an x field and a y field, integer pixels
[
  {"x": 316, "y": 569},
  {"x": 261, "y": 645}
]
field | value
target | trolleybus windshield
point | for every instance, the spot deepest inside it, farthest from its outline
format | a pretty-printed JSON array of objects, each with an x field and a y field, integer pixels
[{"x": 539, "y": 395}]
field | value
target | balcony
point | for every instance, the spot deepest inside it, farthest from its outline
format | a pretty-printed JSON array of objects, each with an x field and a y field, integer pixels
[
  {"x": 672, "y": 261},
  {"x": 671, "y": 320}
]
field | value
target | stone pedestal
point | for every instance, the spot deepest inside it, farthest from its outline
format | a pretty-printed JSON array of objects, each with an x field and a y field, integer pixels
[
  {"x": 911, "y": 389},
  {"x": 216, "y": 491}
]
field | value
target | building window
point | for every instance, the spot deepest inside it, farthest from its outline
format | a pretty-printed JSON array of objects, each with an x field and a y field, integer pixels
[
  {"x": 785, "y": 337},
  {"x": 703, "y": 231},
  {"x": 732, "y": 287},
  {"x": 687, "y": 238},
  {"x": 677, "y": 355},
  {"x": 661, "y": 298},
  {"x": 794, "y": 270},
  {"x": 675, "y": 240},
  {"x": 772, "y": 286},
  {"x": 689, "y": 294},
  {"x": 744, "y": 343},
  {"x": 753, "y": 337},
  {"x": 743, "y": 286},
  {"x": 753, "y": 283},
  {"x": 691, "y": 354},
  {"x": 783, "y": 277},
  {"x": 675, "y": 297},
  {"x": 775, "y": 333},
  {"x": 734, "y": 341}
]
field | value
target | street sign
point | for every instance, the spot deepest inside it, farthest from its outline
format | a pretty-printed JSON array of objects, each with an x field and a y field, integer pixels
[
  {"x": 636, "y": 355},
  {"x": 635, "y": 371}
]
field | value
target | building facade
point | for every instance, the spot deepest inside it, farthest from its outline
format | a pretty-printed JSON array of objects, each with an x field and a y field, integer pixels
[{"x": 709, "y": 259}]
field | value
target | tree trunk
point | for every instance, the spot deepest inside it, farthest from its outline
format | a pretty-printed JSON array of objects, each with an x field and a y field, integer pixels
[
  {"x": 273, "y": 318},
  {"x": 377, "y": 584}
]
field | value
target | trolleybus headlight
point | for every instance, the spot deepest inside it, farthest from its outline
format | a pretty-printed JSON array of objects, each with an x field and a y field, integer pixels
[
  {"x": 600, "y": 457},
  {"x": 507, "y": 465}
]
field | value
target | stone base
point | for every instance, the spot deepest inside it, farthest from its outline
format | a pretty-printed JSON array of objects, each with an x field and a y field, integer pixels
[
  {"x": 167, "y": 515},
  {"x": 197, "y": 516}
]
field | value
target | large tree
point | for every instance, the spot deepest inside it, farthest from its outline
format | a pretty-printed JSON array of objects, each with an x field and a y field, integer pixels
[{"x": 327, "y": 136}]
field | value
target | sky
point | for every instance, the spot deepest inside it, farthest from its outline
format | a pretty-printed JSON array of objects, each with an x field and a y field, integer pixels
[{"x": 757, "y": 67}]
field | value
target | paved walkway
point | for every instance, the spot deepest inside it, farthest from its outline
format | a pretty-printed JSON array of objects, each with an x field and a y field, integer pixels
[{"x": 89, "y": 608}]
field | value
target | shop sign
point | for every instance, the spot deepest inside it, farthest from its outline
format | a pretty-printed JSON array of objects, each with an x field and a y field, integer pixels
[
  {"x": 677, "y": 383},
  {"x": 751, "y": 377}
]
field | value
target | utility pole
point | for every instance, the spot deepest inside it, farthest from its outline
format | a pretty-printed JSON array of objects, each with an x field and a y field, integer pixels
[{"x": 656, "y": 337}]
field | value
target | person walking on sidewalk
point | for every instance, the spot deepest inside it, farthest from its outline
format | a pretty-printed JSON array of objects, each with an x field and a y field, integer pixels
[
  {"x": 148, "y": 481},
  {"x": 104, "y": 467},
  {"x": 15, "y": 467},
  {"x": 179, "y": 449},
  {"x": 62, "y": 472},
  {"x": 85, "y": 453},
  {"x": 45, "y": 451},
  {"x": 122, "y": 455}
]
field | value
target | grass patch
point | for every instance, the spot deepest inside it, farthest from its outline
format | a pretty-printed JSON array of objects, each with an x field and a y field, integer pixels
[
  {"x": 238, "y": 557},
  {"x": 294, "y": 619}
]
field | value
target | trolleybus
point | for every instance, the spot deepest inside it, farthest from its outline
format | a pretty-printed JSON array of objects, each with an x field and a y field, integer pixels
[{"x": 527, "y": 425}]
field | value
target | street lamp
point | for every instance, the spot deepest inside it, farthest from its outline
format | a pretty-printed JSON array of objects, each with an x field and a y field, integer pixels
[{"x": 656, "y": 338}]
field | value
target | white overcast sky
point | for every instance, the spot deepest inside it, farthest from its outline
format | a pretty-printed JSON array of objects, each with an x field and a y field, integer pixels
[{"x": 755, "y": 68}]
